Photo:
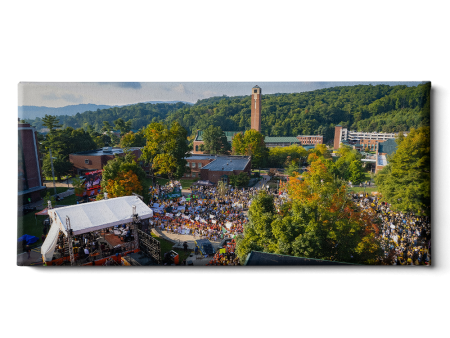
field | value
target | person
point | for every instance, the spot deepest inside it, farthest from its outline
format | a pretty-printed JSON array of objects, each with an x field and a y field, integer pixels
[
  {"x": 196, "y": 250},
  {"x": 86, "y": 251},
  {"x": 185, "y": 246},
  {"x": 29, "y": 251}
]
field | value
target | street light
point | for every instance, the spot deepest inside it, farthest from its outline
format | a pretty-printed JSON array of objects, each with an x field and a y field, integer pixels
[{"x": 53, "y": 171}]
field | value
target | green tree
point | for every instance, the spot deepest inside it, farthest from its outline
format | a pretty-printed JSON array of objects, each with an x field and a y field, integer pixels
[
  {"x": 215, "y": 141},
  {"x": 166, "y": 149},
  {"x": 131, "y": 139},
  {"x": 405, "y": 181},
  {"x": 319, "y": 221},
  {"x": 78, "y": 185},
  {"x": 51, "y": 122},
  {"x": 240, "y": 180},
  {"x": 356, "y": 172},
  {"x": 61, "y": 166},
  {"x": 123, "y": 126},
  {"x": 251, "y": 144}
]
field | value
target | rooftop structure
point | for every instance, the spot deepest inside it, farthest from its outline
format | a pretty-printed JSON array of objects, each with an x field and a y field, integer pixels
[
  {"x": 256, "y": 258},
  {"x": 228, "y": 163}
]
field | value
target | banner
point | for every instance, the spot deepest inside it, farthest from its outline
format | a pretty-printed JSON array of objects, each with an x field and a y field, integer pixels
[
  {"x": 214, "y": 221},
  {"x": 185, "y": 217},
  {"x": 203, "y": 220},
  {"x": 169, "y": 215},
  {"x": 211, "y": 216},
  {"x": 93, "y": 179},
  {"x": 228, "y": 225}
]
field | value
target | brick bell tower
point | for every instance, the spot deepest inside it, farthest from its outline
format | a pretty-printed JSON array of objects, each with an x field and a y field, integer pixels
[{"x": 256, "y": 108}]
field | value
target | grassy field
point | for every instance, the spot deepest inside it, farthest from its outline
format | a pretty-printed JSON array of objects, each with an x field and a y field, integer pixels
[
  {"x": 31, "y": 225},
  {"x": 167, "y": 246}
]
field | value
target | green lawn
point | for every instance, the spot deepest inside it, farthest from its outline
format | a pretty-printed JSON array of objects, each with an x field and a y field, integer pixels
[{"x": 167, "y": 246}]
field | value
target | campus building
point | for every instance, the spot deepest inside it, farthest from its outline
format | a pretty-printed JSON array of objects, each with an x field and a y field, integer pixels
[
  {"x": 385, "y": 149},
  {"x": 255, "y": 123},
  {"x": 216, "y": 168},
  {"x": 92, "y": 160},
  {"x": 360, "y": 140},
  {"x": 30, "y": 178}
]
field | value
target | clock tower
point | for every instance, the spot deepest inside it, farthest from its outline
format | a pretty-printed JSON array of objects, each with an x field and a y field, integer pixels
[{"x": 256, "y": 108}]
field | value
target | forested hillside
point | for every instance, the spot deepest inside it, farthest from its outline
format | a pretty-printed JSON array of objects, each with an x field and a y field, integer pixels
[{"x": 362, "y": 107}]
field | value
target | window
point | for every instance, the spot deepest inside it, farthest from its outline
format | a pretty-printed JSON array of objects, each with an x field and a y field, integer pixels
[
  {"x": 187, "y": 164},
  {"x": 193, "y": 175},
  {"x": 199, "y": 165},
  {"x": 196, "y": 148},
  {"x": 193, "y": 165},
  {"x": 255, "y": 91},
  {"x": 188, "y": 175},
  {"x": 86, "y": 161}
]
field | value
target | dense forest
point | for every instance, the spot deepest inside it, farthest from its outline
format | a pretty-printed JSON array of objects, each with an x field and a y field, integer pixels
[{"x": 381, "y": 108}]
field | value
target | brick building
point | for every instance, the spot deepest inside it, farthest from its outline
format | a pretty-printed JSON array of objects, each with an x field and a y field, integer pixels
[
  {"x": 310, "y": 139},
  {"x": 222, "y": 167},
  {"x": 195, "y": 163},
  {"x": 384, "y": 150},
  {"x": 215, "y": 168},
  {"x": 96, "y": 159},
  {"x": 30, "y": 179}
]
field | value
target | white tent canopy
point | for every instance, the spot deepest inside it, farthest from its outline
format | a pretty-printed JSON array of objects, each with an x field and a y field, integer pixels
[{"x": 92, "y": 216}]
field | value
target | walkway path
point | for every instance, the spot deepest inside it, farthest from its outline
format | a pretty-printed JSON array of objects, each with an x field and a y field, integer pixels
[
  {"x": 39, "y": 204},
  {"x": 260, "y": 184}
]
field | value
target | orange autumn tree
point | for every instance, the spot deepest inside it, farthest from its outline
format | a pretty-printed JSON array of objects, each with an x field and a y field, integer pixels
[
  {"x": 124, "y": 184},
  {"x": 334, "y": 227}
]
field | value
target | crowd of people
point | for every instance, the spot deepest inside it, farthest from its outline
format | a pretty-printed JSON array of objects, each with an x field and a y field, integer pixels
[
  {"x": 405, "y": 238},
  {"x": 226, "y": 256},
  {"x": 205, "y": 214}
]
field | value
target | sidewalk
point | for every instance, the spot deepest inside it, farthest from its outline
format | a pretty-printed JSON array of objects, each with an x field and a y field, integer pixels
[{"x": 260, "y": 184}]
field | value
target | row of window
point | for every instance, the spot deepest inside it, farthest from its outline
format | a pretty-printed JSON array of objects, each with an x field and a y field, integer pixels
[
  {"x": 192, "y": 165},
  {"x": 193, "y": 175}
]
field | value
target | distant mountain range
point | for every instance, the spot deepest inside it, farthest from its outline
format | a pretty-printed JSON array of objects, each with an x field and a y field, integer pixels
[{"x": 31, "y": 112}]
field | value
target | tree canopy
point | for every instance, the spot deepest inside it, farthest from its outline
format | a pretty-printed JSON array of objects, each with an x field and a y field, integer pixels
[
  {"x": 361, "y": 107},
  {"x": 215, "y": 141},
  {"x": 166, "y": 149},
  {"x": 405, "y": 181},
  {"x": 251, "y": 144},
  {"x": 318, "y": 221}
]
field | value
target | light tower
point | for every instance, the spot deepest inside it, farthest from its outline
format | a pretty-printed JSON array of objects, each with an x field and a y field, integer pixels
[{"x": 256, "y": 108}]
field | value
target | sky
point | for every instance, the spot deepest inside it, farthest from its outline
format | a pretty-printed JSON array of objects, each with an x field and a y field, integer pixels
[{"x": 60, "y": 94}]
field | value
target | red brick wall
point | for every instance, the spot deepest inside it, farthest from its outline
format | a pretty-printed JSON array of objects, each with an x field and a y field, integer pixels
[
  {"x": 95, "y": 162},
  {"x": 255, "y": 112},
  {"x": 30, "y": 146},
  {"x": 197, "y": 143},
  {"x": 337, "y": 132},
  {"x": 196, "y": 170}
]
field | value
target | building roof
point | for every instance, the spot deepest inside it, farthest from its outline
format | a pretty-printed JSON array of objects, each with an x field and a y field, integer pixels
[
  {"x": 256, "y": 86},
  {"x": 200, "y": 157},
  {"x": 101, "y": 151},
  {"x": 309, "y": 136},
  {"x": 256, "y": 258},
  {"x": 387, "y": 147},
  {"x": 228, "y": 163},
  {"x": 284, "y": 139}
]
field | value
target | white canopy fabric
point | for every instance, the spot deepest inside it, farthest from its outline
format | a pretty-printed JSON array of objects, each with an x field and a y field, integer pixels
[
  {"x": 92, "y": 216},
  {"x": 49, "y": 245}
]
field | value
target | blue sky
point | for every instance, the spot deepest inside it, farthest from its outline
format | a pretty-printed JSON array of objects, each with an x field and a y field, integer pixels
[{"x": 59, "y": 94}]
